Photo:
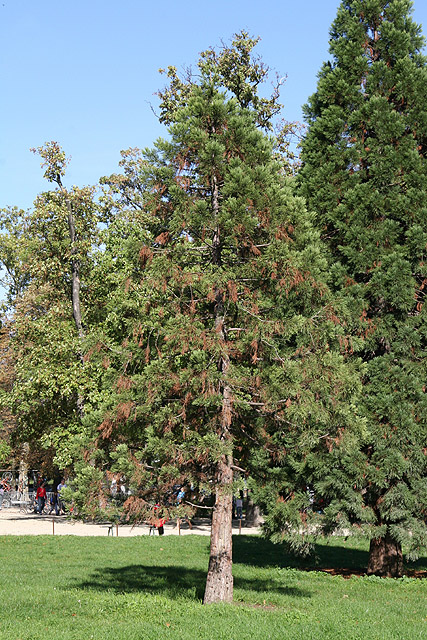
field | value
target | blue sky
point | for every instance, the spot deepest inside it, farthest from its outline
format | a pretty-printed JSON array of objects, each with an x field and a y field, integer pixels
[{"x": 84, "y": 72}]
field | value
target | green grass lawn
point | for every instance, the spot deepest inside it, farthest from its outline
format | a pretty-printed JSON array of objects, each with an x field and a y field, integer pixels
[{"x": 150, "y": 588}]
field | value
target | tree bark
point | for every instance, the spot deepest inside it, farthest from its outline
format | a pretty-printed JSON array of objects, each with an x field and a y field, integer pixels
[
  {"x": 385, "y": 558},
  {"x": 252, "y": 514},
  {"x": 23, "y": 472},
  {"x": 219, "y": 581},
  {"x": 75, "y": 280},
  {"x": 75, "y": 262}
]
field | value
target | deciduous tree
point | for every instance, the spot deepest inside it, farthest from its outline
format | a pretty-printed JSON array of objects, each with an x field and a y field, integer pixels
[{"x": 49, "y": 249}]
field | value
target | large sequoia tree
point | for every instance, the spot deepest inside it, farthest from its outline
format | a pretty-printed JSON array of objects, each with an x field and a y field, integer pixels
[
  {"x": 222, "y": 341},
  {"x": 364, "y": 174}
]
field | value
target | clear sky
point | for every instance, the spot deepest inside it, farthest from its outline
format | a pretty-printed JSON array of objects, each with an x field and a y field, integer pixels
[{"x": 84, "y": 72}]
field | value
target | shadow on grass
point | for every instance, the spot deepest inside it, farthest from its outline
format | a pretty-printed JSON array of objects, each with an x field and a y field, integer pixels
[
  {"x": 419, "y": 565},
  {"x": 171, "y": 581},
  {"x": 259, "y": 552},
  {"x": 336, "y": 557}
]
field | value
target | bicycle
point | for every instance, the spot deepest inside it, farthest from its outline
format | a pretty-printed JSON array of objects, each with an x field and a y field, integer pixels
[
  {"x": 5, "y": 485},
  {"x": 6, "y": 502}
]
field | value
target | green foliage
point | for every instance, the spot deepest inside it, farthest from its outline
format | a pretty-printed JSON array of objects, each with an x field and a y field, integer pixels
[
  {"x": 5, "y": 450},
  {"x": 54, "y": 161},
  {"x": 51, "y": 378},
  {"x": 234, "y": 68},
  {"x": 364, "y": 175},
  {"x": 215, "y": 260},
  {"x": 12, "y": 232},
  {"x": 243, "y": 74}
]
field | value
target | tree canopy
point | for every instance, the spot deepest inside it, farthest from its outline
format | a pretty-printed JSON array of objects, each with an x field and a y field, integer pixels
[
  {"x": 364, "y": 174},
  {"x": 224, "y": 339}
]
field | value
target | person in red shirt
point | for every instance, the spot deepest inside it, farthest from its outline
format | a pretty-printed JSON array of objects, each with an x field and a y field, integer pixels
[{"x": 41, "y": 498}]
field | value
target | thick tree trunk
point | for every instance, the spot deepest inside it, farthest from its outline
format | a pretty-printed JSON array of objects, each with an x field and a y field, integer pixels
[
  {"x": 385, "y": 558},
  {"x": 219, "y": 581}
]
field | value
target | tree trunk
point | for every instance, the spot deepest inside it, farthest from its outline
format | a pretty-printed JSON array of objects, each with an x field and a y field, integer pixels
[
  {"x": 252, "y": 514},
  {"x": 219, "y": 581},
  {"x": 75, "y": 289},
  {"x": 75, "y": 281},
  {"x": 75, "y": 262},
  {"x": 385, "y": 557},
  {"x": 23, "y": 472},
  {"x": 75, "y": 270}
]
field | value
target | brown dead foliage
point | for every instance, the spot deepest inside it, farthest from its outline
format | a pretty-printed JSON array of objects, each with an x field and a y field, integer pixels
[
  {"x": 233, "y": 290},
  {"x": 106, "y": 428},
  {"x": 162, "y": 238},
  {"x": 123, "y": 383},
  {"x": 145, "y": 256},
  {"x": 123, "y": 411},
  {"x": 254, "y": 345},
  {"x": 292, "y": 279}
]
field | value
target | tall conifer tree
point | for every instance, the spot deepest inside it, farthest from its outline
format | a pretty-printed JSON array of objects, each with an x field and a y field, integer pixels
[
  {"x": 364, "y": 174},
  {"x": 220, "y": 345}
]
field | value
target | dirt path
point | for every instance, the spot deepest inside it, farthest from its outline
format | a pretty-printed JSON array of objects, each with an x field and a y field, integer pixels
[{"x": 14, "y": 523}]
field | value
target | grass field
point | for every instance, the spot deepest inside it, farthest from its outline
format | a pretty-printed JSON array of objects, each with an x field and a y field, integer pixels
[{"x": 150, "y": 588}]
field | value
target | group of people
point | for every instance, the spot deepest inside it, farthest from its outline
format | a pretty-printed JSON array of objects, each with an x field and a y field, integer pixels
[{"x": 55, "y": 502}]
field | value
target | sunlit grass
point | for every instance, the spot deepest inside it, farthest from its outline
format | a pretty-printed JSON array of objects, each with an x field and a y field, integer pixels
[{"x": 56, "y": 588}]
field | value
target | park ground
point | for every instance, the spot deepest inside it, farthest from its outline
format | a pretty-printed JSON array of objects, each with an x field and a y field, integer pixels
[
  {"x": 92, "y": 586},
  {"x": 12, "y": 522}
]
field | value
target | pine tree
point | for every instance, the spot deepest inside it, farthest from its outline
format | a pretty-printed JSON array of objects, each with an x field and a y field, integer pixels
[
  {"x": 364, "y": 174},
  {"x": 223, "y": 342}
]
